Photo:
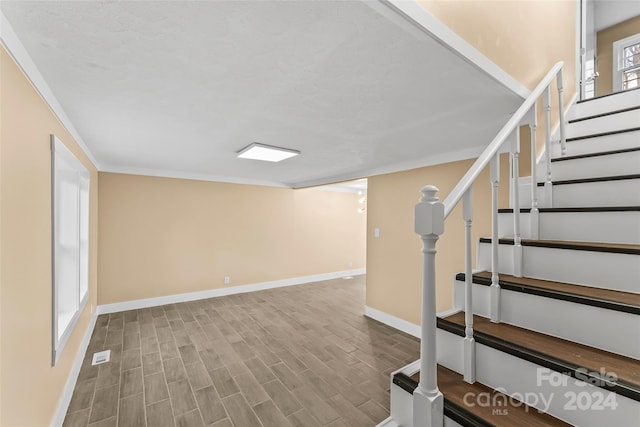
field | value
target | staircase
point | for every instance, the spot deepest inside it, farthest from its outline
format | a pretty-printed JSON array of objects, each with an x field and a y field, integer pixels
[{"x": 566, "y": 348}]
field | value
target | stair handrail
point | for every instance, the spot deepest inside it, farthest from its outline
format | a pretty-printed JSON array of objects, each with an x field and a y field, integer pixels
[
  {"x": 483, "y": 160},
  {"x": 430, "y": 215}
]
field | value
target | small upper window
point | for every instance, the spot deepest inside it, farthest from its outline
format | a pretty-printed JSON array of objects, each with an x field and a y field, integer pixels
[
  {"x": 626, "y": 67},
  {"x": 631, "y": 68}
]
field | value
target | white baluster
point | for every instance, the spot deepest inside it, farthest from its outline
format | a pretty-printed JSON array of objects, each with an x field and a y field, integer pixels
[
  {"x": 533, "y": 216},
  {"x": 563, "y": 140},
  {"x": 469, "y": 341},
  {"x": 517, "y": 246},
  {"x": 495, "y": 280},
  {"x": 428, "y": 403},
  {"x": 548, "y": 189}
]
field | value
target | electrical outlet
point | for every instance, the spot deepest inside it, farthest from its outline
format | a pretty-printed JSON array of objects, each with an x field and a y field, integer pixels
[
  {"x": 227, "y": 280},
  {"x": 376, "y": 233},
  {"x": 350, "y": 264}
]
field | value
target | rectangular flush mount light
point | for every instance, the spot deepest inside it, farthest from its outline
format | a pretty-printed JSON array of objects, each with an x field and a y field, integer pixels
[{"x": 267, "y": 153}]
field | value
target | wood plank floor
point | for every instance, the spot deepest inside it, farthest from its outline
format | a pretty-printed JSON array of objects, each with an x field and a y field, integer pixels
[{"x": 296, "y": 356}]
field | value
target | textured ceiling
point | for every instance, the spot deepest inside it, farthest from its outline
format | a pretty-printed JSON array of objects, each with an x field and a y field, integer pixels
[
  {"x": 177, "y": 88},
  {"x": 611, "y": 12}
]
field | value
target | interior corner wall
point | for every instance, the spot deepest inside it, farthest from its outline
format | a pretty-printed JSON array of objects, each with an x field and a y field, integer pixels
[
  {"x": 604, "y": 40},
  {"x": 394, "y": 260},
  {"x": 525, "y": 38},
  {"x": 30, "y": 386},
  {"x": 165, "y": 236}
]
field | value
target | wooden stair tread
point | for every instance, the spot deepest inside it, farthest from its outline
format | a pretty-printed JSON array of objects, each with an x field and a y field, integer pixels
[
  {"x": 577, "y": 209},
  {"x": 626, "y": 369},
  {"x": 620, "y": 297},
  {"x": 623, "y": 248},
  {"x": 594, "y": 179},
  {"x": 454, "y": 389}
]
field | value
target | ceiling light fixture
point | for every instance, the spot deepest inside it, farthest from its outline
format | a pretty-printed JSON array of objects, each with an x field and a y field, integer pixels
[{"x": 266, "y": 153}]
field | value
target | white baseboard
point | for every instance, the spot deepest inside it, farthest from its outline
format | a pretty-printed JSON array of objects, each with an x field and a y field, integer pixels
[
  {"x": 231, "y": 290},
  {"x": 67, "y": 392},
  {"x": 393, "y": 321},
  {"x": 400, "y": 324}
]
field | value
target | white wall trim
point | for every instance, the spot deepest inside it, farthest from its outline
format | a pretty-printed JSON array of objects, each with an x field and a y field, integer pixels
[
  {"x": 423, "y": 21},
  {"x": 580, "y": 5},
  {"x": 437, "y": 159},
  {"x": 219, "y": 292},
  {"x": 187, "y": 175},
  {"x": 70, "y": 385},
  {"x": 401, "y": 324},
  {"x": 434, "y": 159},
  {"x": 393, "y": 321},
  {"x": 16, "y": 49}
]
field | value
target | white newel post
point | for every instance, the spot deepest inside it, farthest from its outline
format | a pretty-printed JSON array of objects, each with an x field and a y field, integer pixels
[
  {"x": 428, "y": 403},
  {"x": 495, "y": 279},
  {"x": 548, "y": 194},
  {"x": 515, "y": 162},
  {"x": 533, "y": 216},
  {"x": 469, "y": 341},
  {"x": 563, "y": 140}
]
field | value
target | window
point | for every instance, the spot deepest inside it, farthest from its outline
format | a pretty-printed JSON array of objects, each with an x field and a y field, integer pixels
[
  {"x": 70, "y": 242},
  {"x": 626, "y": 67},
  {"x": 590, "y": 81}
]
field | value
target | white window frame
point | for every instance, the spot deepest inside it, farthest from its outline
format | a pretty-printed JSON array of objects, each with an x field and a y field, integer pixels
[
  {"x": 618, "y": 59},
  {"x": 70, "y": 183}
]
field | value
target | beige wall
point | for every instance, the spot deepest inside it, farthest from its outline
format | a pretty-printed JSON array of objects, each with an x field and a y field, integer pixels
[
  {"x": 30, "y": 387},
  {"x": 163, "y": 236},
  {"x": 604, "y": 52},
  {"x": 394, "y": 260},
  {"x": 525, "y": 38}
]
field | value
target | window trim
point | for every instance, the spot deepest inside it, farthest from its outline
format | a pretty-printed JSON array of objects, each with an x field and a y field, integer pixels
[
  {"x": 60, "y": 152},
  {"x": 618, "y": 59}
]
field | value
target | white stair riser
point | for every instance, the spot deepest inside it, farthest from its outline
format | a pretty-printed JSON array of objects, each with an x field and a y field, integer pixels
[
  {"x": 401, "y": 406},
  {"x": 612, "y": 227},
  {"x": 613, "y": 122},
  {"x": 593, "y": 194},
  {"x": 615, "y": 102},
  {"x": 563, "y": 319},
  {"x": 536, "y": 384},
  {"x": 625, "y": 192},
  {"x": 598, "y": 269},
  {"x": 596, "y": 145},
  {"x": 402, "y": 409},
  {"x": 593, "y": 167},
  {"x": 401, "y": 400}
]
